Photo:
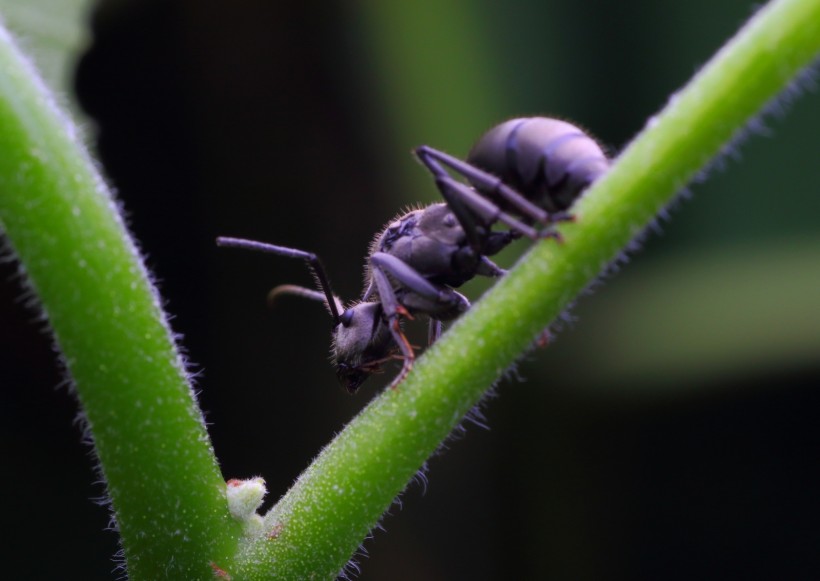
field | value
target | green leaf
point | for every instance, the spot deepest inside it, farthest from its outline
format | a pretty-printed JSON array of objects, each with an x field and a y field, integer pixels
[
  {"x": 53, "y": 33},
  {"x": 646, "y": 330}
]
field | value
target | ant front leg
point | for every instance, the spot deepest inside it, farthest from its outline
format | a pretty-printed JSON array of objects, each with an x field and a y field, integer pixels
[{"x": 393, "y": 311}]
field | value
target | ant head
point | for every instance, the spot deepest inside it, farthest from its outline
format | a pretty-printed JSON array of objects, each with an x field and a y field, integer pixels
[
  {"x": 361, "y": 339},
  {"x": 361, "y": 343}
]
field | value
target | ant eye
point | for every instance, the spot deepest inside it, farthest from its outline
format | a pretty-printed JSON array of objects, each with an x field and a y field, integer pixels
[{"x": 346, "y": 317}]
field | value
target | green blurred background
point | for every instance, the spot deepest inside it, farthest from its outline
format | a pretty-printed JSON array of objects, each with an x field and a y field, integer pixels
[{"x": 670, "y": 432}]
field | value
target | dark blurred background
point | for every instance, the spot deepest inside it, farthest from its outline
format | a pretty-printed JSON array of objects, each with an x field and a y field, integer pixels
[{"x": 671, "y": 432}]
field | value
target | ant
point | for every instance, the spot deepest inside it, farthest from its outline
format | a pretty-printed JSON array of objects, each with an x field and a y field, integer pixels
[{"x": 523, "y": 172}]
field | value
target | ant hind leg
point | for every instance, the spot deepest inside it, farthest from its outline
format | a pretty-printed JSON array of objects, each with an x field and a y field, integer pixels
[{"x": 433, "y": 159}]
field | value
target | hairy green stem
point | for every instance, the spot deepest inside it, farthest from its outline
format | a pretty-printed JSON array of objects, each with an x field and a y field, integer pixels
[
  {"x": 333, "y": 505},
  {"x": 61, "y": 221}
]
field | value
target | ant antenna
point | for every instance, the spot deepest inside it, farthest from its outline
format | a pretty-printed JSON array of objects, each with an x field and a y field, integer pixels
[
  {"x": 312, "y": 260},
  {"x": 296, "y": 290}
]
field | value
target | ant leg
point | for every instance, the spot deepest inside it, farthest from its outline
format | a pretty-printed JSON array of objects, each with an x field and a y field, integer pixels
[
  {"x": 442, "y": 300},
  {"x": 468, "y": 219},
  {"x": 467, "y": 204},
  {"x": 432, "y": 157},
  {"x": 489, "y": 268},
  {"x": 455, "y": 192},
  {"x": 433, "y": 331},
  {"x": 467, "y": 215},
  {"x": 393, "y": 310}
]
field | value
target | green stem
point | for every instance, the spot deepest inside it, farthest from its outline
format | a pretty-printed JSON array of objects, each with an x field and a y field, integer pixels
[
  {"x": 323, "y": 518},
  {"x": 60, "y": 219}
]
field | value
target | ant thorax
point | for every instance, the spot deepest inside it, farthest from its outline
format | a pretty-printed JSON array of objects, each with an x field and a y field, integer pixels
[{"x": 432, "y": 242}]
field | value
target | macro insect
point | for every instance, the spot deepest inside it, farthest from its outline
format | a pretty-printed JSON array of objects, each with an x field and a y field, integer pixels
[{"x": 524, "y": 174}]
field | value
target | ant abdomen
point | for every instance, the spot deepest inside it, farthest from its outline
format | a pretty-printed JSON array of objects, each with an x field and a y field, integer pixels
[{"x": 548, "y": 161}]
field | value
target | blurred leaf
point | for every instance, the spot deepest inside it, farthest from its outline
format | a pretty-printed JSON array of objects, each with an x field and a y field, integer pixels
[
  {"x": 685, "y": 322},
  {"x": 53, "y": 32},
  {"x": 432, "y": 74}
]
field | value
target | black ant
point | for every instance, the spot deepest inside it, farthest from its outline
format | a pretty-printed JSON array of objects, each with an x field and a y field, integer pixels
[{"x": 523, "y": 172}]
